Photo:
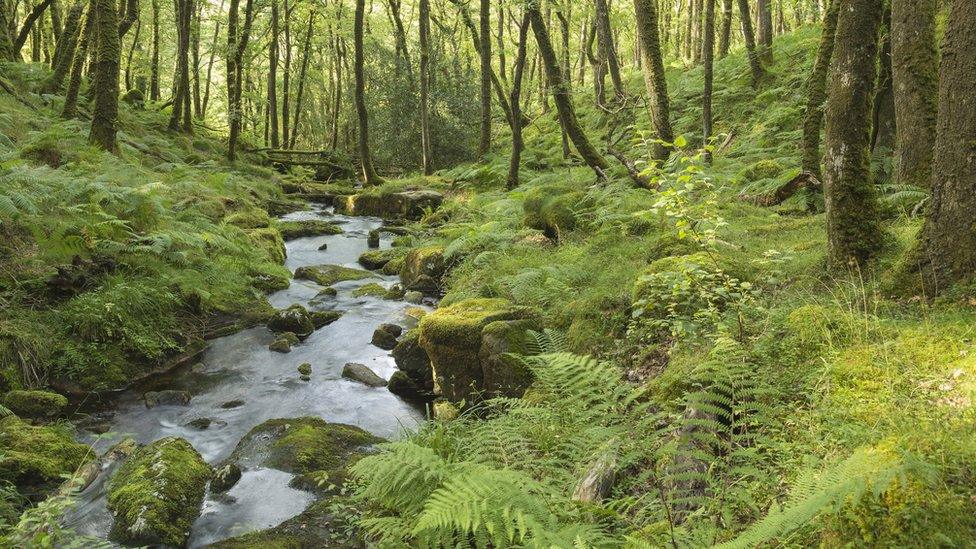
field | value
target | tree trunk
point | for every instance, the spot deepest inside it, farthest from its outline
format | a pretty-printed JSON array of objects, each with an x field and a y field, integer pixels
[
  {"x": 708, "y": 58},
  {"x": 517, "y": 144},
  {"x": 485, "y": 22},
  {"x": 67, "y": 46},
  {"x": 884, "y": 130},
  {"x": 27, "y": 27},
  {"x": 748, "y": 36},
  {"x": 606, "y": 44},
  {"x": 236, "y": 44},
  {"x": 306, "y": 54},
  {"x": 273, "y": 76},
  {"x": 181, "y": 84},
  {"x": 6, "y": 39},
  {"x": 106, "y": 83},
  {"x": 425, "y": 144},
  {"x": 948, "y": 241},
  {"x": 70, "y": 109},
  {"x": 210, "y": 62},
  {"x": 562, "y": 97},
  {"x": 154, "y": 58},
  {"x": 817, "y": 94},
  {"x": 914, "y": 67},
  {"x": 765, "y": 32},
  {"x": 654, "y": 78},
  {"x": 132, "y": 52},
  {"x": 286, "y": 78},
  {"x": 195, "y": 58},
  {"x": 726, "y": 34},
  {"x": 370, "y": 177},
  {"x": 853, "y": 221}
]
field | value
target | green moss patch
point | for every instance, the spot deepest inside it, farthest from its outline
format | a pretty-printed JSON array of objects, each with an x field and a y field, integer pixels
[
  {"x": 309, "y": 227},
  {"x": 36, "y": 458},
  {"x": 35, "y": 404},
  {"x": 372, "y": 290},
  {"x": 327, "y": 275}
]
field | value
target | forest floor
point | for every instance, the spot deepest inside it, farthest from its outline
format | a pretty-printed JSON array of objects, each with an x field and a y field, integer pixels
[{"x": 850, "y": 393}]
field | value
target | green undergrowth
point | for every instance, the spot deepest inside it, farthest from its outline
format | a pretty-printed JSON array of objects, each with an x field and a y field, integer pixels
[
  {"x": 746, "y": 394},
  {"x": 109, "y": 265}
]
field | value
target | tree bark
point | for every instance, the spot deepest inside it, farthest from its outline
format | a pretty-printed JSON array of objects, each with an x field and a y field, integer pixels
[
  {"x": 884, "y": 130},
  {"x": 516, "y": 160},
  {"x": 106, "y": 83},
  {"x": 27, "y": 26},
  {"x": 181, "y": 82},
  {"x": 853, "y": 221},
  {"x": 726, "y": 34},
  {"x": 236, "y": 44},
  {"x": 427, "y": 159},
  {"x": 606, "y": 45},
  {"x": 154, "y": 58},
  {"x": 659, "y": 104},
  {"x": 485, "y": 52},
  {"x": 370, "y": 177},
  {"x": 948, "y": 240},
  {"x": 210, "y": 62},
  {"x": 708, "y": 58},
  {"x": 817, "y": 94},
  {"x": 754, "y": 64},
  {"x": 765, "y": 32},
  {"x": 70, "y": 109},
  {"x": 67, "y": 46},
  {"x": 306, "y": 54},
  {"x": 914, "y": 66},
  {"x": 6, "y": 40},
  {"x": 273, "y": 76},
  {"x": 561, "y": 95},
  {"x": 286, "y": 77}
]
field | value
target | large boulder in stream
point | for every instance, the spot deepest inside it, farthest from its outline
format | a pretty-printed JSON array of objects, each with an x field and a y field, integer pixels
[
  {"x": 423, "y": 268},
  {"x": 411, "y": 205},
  {"x": 327, "y": 275},
  {"x": 156, "y": 495},
  {"x": 360, "y": 372},
  {"x": 466, "y": 343},
  {"x": 35, "y": 404},
  {"x": 295, "y": 320},
  {"x": 415, "y": 378},
  {"x": 308, "y": 227}
]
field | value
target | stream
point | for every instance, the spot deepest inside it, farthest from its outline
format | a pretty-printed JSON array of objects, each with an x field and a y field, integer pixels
[{"x": 238, "y": 383}]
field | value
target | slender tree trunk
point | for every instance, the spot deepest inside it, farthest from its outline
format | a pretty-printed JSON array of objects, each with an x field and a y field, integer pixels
[
  {"x": 70, "y": 109},
  {"x": 914, "y": 66},
  {"x": 726, "y": 34},
  {"x": 273, "y": 76},
  {"x": 336, "y": 107},
  {"x": 370, "y": 177},
  {"x": 517, "y": 144},
  {"x": 306, "y": 54},
  {"x": 853, "y": 220},
  {"x": 425, "y": 144},
  {"x": 948, "y": 242},
  {"x": 658, "y": 102},
  {"x": 27, "y": 27},
  {"x": 286, "y": 78},
  {"x": 210, "y": 63},
  {"x": 708, "y": 58},
  {"x": 154, "y": 57},
  {"x": 606, "y": 44},
  {"x": 197, "y": 12},
  {"x": 7, "y": 52},
  {"x": 236, "y": 44},
  {"x": 884, "y": 131},
  {"x": 400, "y": 35},
  {"x": 181, "y": 84},
  {"x": 106, "y": 85},
  {"x": 564, "y": 28},
  {"x": 132, "y": 52},
  {"x": 765, "y": 37},
  {"x": 561, "y": 95},
  {"x": 485, "y": 21},
  {"x": 67, "y": 47},
  {"x": 748, "y": 36},
  {"x": 817, "y": 94}
]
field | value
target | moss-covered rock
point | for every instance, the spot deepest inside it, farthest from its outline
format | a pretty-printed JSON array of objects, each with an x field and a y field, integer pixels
[
  {"x": 157, "y": 493},
  {"x": 412, "y": 359},
  {"x": 317, "y": 527},
  {"x": 394, "y": 267},
  {"x": 423, "y": 268},
  {"x": 270, "y": 242},
  {"x": 763, "y": 169},
  {"x": 303, "y": 446},
  {"x": 284, "y": 343},
  {"x": 321, "y": 319},
  {"x": 385, "y": 336},
  {"x": 453, "y": 339},
  {"x": 390, "y": 205},
  {"x": 370, "y": 290},
  {"x": 375, "y": 260},
  {"x": 35, "y": 458},
  {"x": 35, "y": 404},
  {"x": 552, "y": 209},
  {"x": 251, "y": 218},
  {"x": 327, "y": 275},
  {"x": 362, "y": 374},
  {"x": 503, "y": 375},
  {"x": 294, "y": 319},
  {"x": 307, "y": 227}
]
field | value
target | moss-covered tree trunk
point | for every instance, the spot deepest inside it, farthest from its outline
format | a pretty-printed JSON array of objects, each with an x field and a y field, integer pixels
[
  {"x": 516, "y": 99},
  {"x": 948, "y": 240},
  {"x": 750, "y": 40},
  {"x": 817, "y": 94},
  {"x": 6, "y": 39},
  {"x": 273, "y": 76},
  {"x": 237, "y": 38},
  {"x": 708, "y": 59},
  {"x": 608, "y": 50},
  {"x": 105, "y": 92},
  {"x": 914, "y": 65},
  {"x": 725, "y": 36},
  {"x": 561, "y": 94},
  {"x": 154, "y": 56},
  {"x": 485, "y": 53},
  {"x": 427, "y": 150},
  {"x": 652, "y": 65},
  {"x": 67, "y": 46},
  {"x": 853, "y": 221},
  {"x": 883, "y": 125},
  {"x": 70, "y": 108},
  {"x": 764, "y": 36},
  {"x": 370, "y": 177},
  {"x": 302, "y": 71},
  {"x": 181, "y": 80}
]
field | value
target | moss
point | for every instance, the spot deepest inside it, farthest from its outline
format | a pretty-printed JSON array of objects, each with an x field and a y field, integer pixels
[
  {"x": 270, "y": 242},
  {"x": 377, "y": 259},
  {"x": 552, "y": 209},
  {"x": 251, "y": 218},
  {"x": 35, "y": 404},
  {"x": 309, "y": 227},
  {"x": 390, "y": 202},
  {"x": 294, "y": 319},
  {"x": 372, "y": 290},
  {"x": 423, "y": 268},
  {"x": 324, "y": 318},
  {"x": 319, "y": 526},
  {"x": 38, "y": 457},
  {"x": 763, "y": 169},
  {"x": 156, "y": 495},
  {"x": 394, "y": 267},
  {"x": 327, "y": 275}
]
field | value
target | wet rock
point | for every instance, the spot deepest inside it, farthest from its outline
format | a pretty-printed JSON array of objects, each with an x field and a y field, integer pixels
[
  {"x": 305, "y": 369},
  {"x": 598, "y": 481},
  {"x": 370, "y": 290},
  {"x": 166, "y": 398},
  {"x": 423, "y": 268},
  {"x": 375, "y": 260},
  {"x": 324, "y": 247},
  {"x": 373, "y": 239},
  {"x": 284, "y": 343},
  {"x": 35, "y": 404},
  {"x": 310, "y": 227},
  {"x": 321, "y": 319},
  {"x": 225, "y": 477},
  {"x": 385, "y": 336},
  {"x": 396, "y": 292},
  {"x": 412, "y": 359},
  {"x": 402, "y": 205},
  {"x": 403, "y": 386},
  {"x": 156, "y": 495},
  {"x": 362, "y": 374},
  {"x": 327, "y": 275},
  {"x": 294, "y": 319},
  {"x": 306, "y": 379},
  {"x": 200, "y": 423},
  {"x": 503, "y": 374},
  {"x": 36, "y": 458},
  {"x": 231, "y": 404},
  {"x": 453, "y": 338},
  {"x": 416, "y": 298}
]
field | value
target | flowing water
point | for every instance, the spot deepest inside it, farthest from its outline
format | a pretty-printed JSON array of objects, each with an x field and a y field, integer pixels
[{"x": 238, "y": 383}]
